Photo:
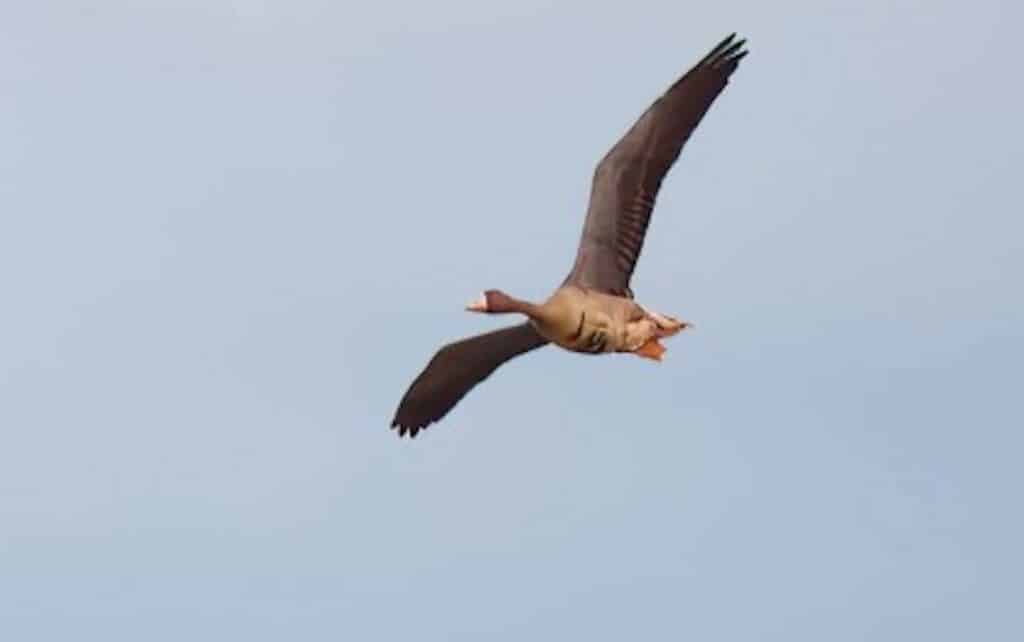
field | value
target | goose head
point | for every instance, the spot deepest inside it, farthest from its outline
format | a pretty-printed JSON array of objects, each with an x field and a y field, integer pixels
[{"x": 494, "y": 302}]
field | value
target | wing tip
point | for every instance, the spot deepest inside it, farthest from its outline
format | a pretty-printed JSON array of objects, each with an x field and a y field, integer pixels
[
  {"x": 411, "y": 427},
  {"x": 726, "y": 54},
  {"x": 404, "y": 428}
]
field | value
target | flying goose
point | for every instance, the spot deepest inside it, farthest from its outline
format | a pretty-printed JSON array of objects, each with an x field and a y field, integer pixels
[{"x": 593, "y": 311}]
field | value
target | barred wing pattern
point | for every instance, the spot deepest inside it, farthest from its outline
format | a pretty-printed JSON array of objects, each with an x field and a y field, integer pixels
[{"x": 627, "y": 179}]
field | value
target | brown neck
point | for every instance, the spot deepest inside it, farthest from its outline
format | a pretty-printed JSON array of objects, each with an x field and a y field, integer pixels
[{"x": 500, "y": 303}]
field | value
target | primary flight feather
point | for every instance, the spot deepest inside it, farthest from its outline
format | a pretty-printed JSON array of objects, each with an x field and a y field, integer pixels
[{"x": 593, "y": 311}]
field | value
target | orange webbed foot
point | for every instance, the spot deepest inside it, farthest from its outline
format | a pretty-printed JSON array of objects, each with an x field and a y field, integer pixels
[{"x": 651, "y": 349}]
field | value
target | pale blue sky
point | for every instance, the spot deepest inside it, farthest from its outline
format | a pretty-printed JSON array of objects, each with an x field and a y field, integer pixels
[{"x": 232, "y": 232}]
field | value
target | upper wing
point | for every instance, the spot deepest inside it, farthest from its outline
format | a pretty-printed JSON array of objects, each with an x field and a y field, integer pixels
[
  {"x": 455, "y": 369},
  {"x": 627, "y": 179}
]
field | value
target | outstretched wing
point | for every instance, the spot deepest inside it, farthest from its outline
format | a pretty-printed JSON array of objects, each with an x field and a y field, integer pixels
[
  {"x": 627, "y": 179},
  {"x": 455, "y": 369}
]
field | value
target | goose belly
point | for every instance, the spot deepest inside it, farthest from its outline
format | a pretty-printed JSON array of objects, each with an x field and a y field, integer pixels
[
  {"x": 607, "y": 335},
  {"x": 596, "y": 336}
]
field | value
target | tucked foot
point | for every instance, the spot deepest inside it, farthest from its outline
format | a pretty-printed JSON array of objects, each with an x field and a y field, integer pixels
[{"x": 651, "y": 349}]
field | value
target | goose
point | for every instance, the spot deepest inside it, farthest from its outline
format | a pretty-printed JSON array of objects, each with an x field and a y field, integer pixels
[{"x": 592, "y": 311}]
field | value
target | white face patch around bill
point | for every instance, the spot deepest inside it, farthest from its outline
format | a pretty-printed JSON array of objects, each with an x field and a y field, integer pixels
[{"x": 478, "y": 305}]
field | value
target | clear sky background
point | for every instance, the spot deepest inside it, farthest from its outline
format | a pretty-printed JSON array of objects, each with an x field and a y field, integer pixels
[{"x": 231, "y": 233}]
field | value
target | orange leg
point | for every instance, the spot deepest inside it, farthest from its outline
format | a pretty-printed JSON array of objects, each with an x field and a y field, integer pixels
[{"x": 651, "y": 349}]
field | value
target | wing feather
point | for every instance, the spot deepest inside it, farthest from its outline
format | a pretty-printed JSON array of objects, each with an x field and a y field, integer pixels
[
  {"x": 455, "y": 369},
  {"x": 627, "y": 180}
]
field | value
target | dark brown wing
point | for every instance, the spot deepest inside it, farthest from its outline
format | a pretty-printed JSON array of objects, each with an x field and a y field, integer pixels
[
  {"x": 627, "y": 179},
  {"x": 455, "y": 369}
]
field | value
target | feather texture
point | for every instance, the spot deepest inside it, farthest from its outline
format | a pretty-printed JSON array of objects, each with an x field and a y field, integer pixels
[
  {"x": 455, "y": 369},
  {"x": 627, "y": 180}
]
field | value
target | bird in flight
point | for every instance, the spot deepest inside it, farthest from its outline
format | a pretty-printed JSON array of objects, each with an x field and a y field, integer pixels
[{"x": 593, "y": 311}]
